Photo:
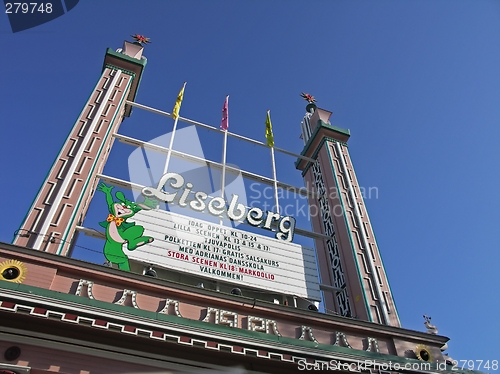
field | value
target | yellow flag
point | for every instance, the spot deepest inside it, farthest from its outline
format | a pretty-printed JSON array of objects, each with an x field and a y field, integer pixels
[
  {"x": 178, "y": 102},
  {"x": 269, "y": 130}
]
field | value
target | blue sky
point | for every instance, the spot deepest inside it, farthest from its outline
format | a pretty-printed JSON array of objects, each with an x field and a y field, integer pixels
[{"x": 416, "y": 82}]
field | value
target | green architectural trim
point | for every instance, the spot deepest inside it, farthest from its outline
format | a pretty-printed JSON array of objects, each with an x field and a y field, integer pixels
[
  {"x": 322, "y": 125},
  {"x": 316, "y": 151},
  {"x": 128, "y": 72},
  {"x": 135, "y": 61}
]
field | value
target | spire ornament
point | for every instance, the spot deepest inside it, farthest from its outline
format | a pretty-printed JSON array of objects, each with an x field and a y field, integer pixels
[
  {"x": 141, "y": 39},
  {"x": 311, "y": 106},
  {"x": 431, "y": 329},
  {"x": 307, "y": 97}
]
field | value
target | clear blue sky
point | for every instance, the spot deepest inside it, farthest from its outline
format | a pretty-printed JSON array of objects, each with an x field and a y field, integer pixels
[{"x": 416, "y": 82}]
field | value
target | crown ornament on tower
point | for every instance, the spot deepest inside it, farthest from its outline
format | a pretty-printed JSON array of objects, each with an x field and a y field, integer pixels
[
  {"x": 141, "y": 39},
  {"x": 311, "y": 106}
]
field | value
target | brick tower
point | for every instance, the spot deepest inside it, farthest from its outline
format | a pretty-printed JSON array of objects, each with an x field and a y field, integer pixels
[
  {"x": 349, "y": 262},
  {"x": 64, "y": 196}
]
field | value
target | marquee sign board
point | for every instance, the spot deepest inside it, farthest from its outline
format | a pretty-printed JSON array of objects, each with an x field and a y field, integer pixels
[{"x": 225, "y": 254}]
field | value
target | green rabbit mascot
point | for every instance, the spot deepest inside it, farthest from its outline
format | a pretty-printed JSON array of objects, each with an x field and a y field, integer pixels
[{"x": 118, "y": 230}]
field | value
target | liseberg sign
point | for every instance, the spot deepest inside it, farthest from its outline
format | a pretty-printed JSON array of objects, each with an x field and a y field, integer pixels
[{"x": 221, "y": 253}]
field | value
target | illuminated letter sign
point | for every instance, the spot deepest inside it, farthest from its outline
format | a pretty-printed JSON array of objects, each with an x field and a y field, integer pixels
[{"x": 217, "y": 206}]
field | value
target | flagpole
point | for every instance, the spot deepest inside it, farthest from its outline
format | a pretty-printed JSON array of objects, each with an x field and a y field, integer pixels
[
  {"x": 223, "y": 181},
  {"x": 224, "y": 150},
  {"x": 175, "y": 114},
  {"x": 275, "y": 180},
  {"x": 170, "y": 146},
  {"x": 224, "y": 125},
  {"x": 270, "y": 143}
]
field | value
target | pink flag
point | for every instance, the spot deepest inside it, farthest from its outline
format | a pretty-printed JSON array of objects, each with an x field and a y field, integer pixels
[{"x": 225, "y": 120}]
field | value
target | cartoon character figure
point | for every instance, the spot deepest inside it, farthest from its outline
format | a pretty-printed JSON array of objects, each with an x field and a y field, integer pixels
[{"x": 118, "y": 230}]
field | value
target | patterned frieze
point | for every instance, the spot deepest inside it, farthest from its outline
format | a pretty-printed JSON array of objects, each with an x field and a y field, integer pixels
[
  {"x": 226, "y": 317},
  {"x": 233, "y": 319}
]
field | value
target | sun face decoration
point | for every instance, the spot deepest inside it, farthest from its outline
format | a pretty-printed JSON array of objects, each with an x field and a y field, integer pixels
[
  {"x": 13, "y": 271},
  {"x": 423, "y": 353}
]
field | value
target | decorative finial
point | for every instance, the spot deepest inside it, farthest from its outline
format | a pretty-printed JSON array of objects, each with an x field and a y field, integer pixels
[
  {"x": 141, "y": 39},
  {"x": 431, "y": 329},
  {"x": 309, "y": 98}
]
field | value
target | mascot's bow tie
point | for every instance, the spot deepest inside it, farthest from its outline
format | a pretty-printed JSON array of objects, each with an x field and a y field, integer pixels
[{"x": 112, "y": 218}]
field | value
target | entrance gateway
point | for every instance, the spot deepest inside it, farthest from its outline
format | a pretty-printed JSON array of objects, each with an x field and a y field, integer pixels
[
  {"x": 254, "y": 305},
  {"x": 351, "y": 273}
]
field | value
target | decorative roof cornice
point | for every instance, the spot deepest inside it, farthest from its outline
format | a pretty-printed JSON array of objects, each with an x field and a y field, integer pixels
[
  {"x": 316, "y": 151},
  {"x": 328, "y": 132},
  {"x": 129, "y": 72},
  {"x": 77, "y": 310}
]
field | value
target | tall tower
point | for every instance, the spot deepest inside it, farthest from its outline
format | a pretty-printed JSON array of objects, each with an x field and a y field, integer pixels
[
  {"x": 349, "y": 261},
  {"x": 64, "y": 196}
]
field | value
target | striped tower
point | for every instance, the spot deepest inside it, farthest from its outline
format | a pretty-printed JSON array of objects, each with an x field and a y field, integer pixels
[
  {"x": 352, "y": 274},
  {"x": 64, "y": 196}
]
